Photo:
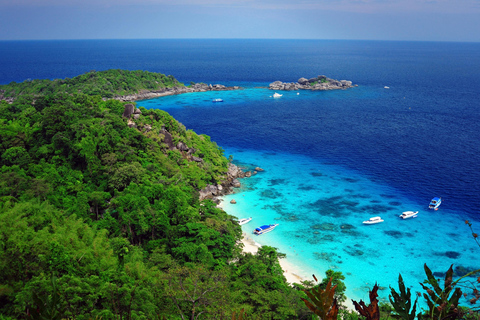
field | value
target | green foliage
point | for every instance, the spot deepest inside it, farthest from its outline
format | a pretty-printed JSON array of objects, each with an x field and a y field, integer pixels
[
  {"x": 442, "y": 303},
  {"x": 46, "y": 307},
  {"x": 402, "y": 301},
  {"x": 114, "y": 213},
  {"x": 107, "y": 84},
  {"x": 336, "y": 277},
  {"x": 198, "y": 291}
]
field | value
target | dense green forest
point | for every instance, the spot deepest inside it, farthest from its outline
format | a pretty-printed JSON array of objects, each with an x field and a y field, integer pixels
[
  {"x": 108, "y": 84},
  {"x": 101, "y": 218}
]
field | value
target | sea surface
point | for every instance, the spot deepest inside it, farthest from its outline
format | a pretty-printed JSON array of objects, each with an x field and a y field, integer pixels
[{"x": 332, "y": 159}]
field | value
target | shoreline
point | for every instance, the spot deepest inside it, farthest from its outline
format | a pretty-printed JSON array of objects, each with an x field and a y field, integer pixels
[
  {"x": 292, "y": 276},
  {"x": 290, "y": 271},
  {"x": 199, "y": 87},
  {"x": 251, "y": 246}
]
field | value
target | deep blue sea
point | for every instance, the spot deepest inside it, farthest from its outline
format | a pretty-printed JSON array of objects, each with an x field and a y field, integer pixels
[{"x": 332, "y": 159}]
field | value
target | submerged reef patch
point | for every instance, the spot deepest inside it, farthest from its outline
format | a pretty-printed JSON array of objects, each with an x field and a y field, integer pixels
[
  {"x": 275, "y": 182},
  {"x": 316, "y": 174},
  {"x": 354, "y": 252},
  {"x": 360, "y": 196},
  {"x": 393, "y": 233},
  {"x": 451, "y": 254},
  {"x": 326, "y": 226},
  {"x": 327, "y": 256},
  {"x": 395, "y": 203},
  {"x": 388, "y": 196},
  {"x": 306, "y": 188},
  {"x": 374, "y": 209},
  {"x": 349, "y": 229},
  {"x": 271, "y": 194},
  {"x": 334, "y": 206}
]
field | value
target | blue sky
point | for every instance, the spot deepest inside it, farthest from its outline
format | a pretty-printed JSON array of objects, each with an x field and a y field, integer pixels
[{"x": 430, "y": 20}]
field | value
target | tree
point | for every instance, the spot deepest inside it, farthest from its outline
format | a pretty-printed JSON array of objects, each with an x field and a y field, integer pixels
[
  {"x": 198, "y": 292},
  {"x": 336, "y": 277}
]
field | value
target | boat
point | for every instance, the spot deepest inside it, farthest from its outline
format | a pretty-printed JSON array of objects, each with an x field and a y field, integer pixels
[
  {"x": 244, "y": 220},
  {"x": 408, "y": 214},
  {"x": 373, "y": 220},
  {"x": 264, "y": 229},
  {"x": 277, "y": 95},
  {"x": 386, "y": 87},
  {"x": 217, "y": 100},
  {"x": 435, "y": 203}
]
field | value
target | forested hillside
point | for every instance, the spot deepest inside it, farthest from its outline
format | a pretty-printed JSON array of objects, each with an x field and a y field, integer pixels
[
  {"x": 108, "y": 84},
  {"x": 101, "y": 218}
]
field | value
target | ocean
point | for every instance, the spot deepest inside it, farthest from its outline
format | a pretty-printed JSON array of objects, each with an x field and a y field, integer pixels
[{"x": 332, "y": 159}]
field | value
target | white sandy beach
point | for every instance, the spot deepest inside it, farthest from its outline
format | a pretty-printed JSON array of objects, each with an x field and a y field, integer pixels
[{"x": 289, "y": 270}]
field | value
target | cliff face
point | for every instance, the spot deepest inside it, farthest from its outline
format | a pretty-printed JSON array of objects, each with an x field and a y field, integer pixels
[{"x": 318, "y": 83}]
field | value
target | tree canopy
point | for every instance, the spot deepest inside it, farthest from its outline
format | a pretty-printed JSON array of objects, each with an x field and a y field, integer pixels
[{"x": 101, "y": 217}]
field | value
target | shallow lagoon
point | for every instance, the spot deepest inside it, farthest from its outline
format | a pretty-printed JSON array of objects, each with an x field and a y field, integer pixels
[{"x": 320, "y": 208}]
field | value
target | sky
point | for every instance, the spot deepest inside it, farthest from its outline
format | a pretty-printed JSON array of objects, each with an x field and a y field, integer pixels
[{"x": 411, "y": 20}]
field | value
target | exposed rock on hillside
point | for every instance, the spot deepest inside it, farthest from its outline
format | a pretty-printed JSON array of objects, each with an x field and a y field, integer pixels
[
  {"x": 197, "y": 87},
  {"x": 226, "y": 187}
]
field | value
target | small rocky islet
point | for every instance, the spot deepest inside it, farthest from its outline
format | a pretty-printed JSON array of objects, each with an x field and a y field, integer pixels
[{"x": 318, "y": 83}]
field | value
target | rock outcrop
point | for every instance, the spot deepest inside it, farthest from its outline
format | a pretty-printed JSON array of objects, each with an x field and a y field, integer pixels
[
  {"x": 197, "y": 87},
  {"x": 318, "y": 83},
  {"x": 227, "y": 186}
]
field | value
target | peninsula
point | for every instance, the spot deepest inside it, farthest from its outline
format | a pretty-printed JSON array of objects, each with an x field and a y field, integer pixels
[
  {"x": 129, "y": 86},
  {"x": 122, "y": 85}
]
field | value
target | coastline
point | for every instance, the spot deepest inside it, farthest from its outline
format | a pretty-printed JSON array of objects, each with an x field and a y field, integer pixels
[
  {"x": 198, "y": 87},
  {"x": 290, "y": 271}
]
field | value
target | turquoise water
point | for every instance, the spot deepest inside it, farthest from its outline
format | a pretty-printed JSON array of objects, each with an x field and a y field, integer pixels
[{"x": 320, "y": 207}]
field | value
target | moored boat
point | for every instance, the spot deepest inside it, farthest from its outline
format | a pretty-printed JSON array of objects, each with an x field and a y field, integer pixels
[
  {"x": 277, "y": 95},
  {"x": 408, "y": 214},
  {"x": 244, "y": 220},
  {"x": 435, "y": 203},
  {"x": 264, "y": 229},
  {"x": 373, "y": 220}
]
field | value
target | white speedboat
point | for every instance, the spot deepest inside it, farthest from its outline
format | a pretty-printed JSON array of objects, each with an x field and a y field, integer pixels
[
  {"x": 435, "y": 203},
  {"x": 244, "y": 220},
  {"x": 386, "y": 87},
  {"x": 373, "y": 220},
  {"x": 217, "y": 100},
  {"x": 408, "y": 214},
  {"x": 277, "y": 95},
  {"x": 264, "y": 229}
]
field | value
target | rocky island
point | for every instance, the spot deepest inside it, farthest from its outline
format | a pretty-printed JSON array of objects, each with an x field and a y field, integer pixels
[{"x": 318, "y": 83}]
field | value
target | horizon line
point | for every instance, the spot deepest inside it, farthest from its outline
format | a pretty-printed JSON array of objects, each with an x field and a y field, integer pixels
[{"x": 263, "y": 39}]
